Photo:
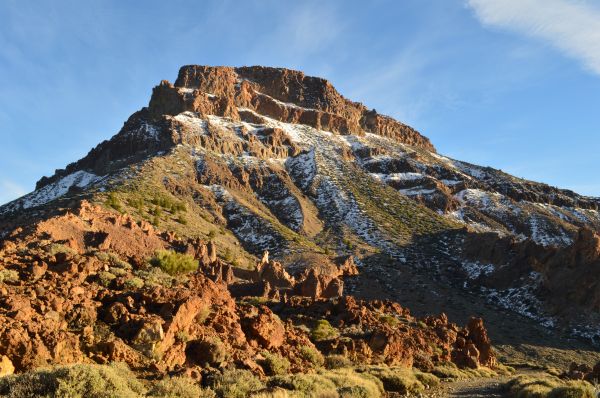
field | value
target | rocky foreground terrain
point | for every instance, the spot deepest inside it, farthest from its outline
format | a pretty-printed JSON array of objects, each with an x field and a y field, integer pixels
[{"x": 254, "y": 220}]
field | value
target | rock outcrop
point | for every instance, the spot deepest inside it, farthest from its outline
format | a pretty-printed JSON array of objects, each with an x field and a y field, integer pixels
[{"x": 76, "y": 290}]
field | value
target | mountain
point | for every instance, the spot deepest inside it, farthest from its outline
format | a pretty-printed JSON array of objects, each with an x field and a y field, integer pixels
[{"x": 290, "y": 194}]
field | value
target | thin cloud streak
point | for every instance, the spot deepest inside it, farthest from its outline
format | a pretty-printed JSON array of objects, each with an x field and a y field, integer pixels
[{"x": 572, "y": 27}]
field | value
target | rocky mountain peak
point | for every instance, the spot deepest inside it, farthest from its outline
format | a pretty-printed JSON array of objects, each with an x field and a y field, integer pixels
[
  {"x": 282, "y": 94},
  {"x": 247, "y": 94}
]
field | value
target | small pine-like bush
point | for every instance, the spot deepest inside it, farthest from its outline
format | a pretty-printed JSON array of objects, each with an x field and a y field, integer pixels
[
  {"x": 134, "y": 283},
  {"x": 106, "y": 278},
  {"x": 174, "y": 263},
  {"x": 155, "y": 277},
  {"x": 323, "y": 331},
  {"x": 275, "y": 364},
  {"x": 547, "y": 387},
  {"x": 8, "y": 275},
  {"x": 337, "y": 362},
  {"x": 305, "y": 385},
  {"x": 78, "y": 381},
  {"x": 236, "y": 384},
  {"x": 400, "y": 380},
  {"x": 312, "y": 355},
  {"x": 114, "y": 202},
  {"x": 390, "y": 320},
  {"x": 179, "y": 387},
  {"x": 351, "y": 384}
]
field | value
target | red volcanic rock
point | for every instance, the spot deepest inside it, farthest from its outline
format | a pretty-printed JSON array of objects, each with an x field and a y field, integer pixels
[
  {"x": 264, "y": 328},
  {"x": 275, "y": 274},
  {"x": 473, "y": 348}
]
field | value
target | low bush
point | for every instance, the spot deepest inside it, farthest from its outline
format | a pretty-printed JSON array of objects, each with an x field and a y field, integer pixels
[
  {"x": 134, "y": 283},
  {"x": 312, "y": 355},
  {"x": 337, "y": 362},
  {"x": 155, "y": 276},
  {"x": 78, "y": 381},
  {"x": 400, "y": 380},
  {"x": 504, "y": 370},
  {"x": 178, "y": 387},
  {"x": 305, "y": 385},
  {"x": 8, "y": 275},
  {"x": 174, "y": 263},
  {"x": 113, "y": 201},
  {"x": 389, "y": 319},
  {"x": 54, "y": 248},
  {"x": 323, "y": 331},
  {"x": 117, "y": 271},
  {"x": 274, "y": 364},
  {"x": 351, "y": 384},
  {"x": 105, "y": 278},
  {"x": 449, "y": 370},
  {"x": 427, "y": 379},
  {"x": 526, "y": 386},
  {"x": 236, "y": 383}
]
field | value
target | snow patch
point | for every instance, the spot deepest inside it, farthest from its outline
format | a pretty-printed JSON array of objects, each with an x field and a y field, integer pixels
[{"x": 55, "y": 190}]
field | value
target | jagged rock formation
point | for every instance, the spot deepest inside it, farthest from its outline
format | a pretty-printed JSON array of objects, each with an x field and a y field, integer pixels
[
  {"x": 264, "y": 159},
  {"x": 76, "y": 289}
]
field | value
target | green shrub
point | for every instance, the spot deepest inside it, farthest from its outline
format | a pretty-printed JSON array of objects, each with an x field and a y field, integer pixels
[
  {"x": 211, "y": 234},
  {"x": 350, "y": 384},
  {"x": 106, "y": 278},
  {"x": 389, "y": 319},
  {"x": 182, "y": 336},
  {"x": 427, "y": 379},
  {"x": 112, "y": 259},
  {"x": 114, "y": 202},
  {"x": 134, "y": 283},
  {"x": 504, "y": 370},
  {"x": 210, "y": 351},
  {"x": 305, "y": 385},
  {"x": 8, "y": 275},
  {"x": 78, "y": 381},
  {"x": 323, "y": 331},
  {"x": 274, "y": 364},
  {"x": 174, "y": 263},
  {"x": 256, "y": 300},
  {"x": 203, "y": 315},
  {"x": 449, "y": 370},
  {"x": 178, "y": 387},
  {"x": 136, "y": 203},
  {"x": 155, "y": 277},
  {"x": 526, "y": 386},
  {"x": 236, "y": 383},
  {"x": 117, "y": 271},
  {"x": 55, "y": 248},
  {"x": 400, "y": 380},
  {"x": 228, "y": 255},
  {"x": 337, "y": 362},
  {"x": 312, "y": 355},
  {"x": 573, "y": 390},
  {"x": 156, "y": 211}
]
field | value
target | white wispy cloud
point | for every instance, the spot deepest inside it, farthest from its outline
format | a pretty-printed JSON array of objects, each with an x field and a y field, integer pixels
[
  {"x": 10, "y": 190},
  {"x": 568, "y": 25}
]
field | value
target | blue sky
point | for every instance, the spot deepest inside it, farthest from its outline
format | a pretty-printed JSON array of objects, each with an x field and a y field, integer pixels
[{"x": 513, "y": 84}]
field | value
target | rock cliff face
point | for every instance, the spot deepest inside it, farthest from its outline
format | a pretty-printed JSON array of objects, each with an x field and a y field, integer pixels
[{"x": 256, "y": 160}]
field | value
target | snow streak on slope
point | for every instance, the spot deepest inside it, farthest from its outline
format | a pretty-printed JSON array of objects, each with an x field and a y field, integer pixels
[{"x": 79, "y": 179}]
